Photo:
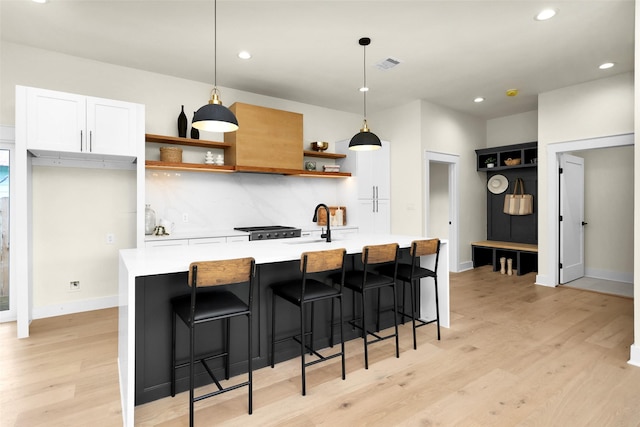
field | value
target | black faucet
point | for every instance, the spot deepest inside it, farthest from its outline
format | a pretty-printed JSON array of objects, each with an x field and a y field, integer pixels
[{"x": 315, "y": 218}]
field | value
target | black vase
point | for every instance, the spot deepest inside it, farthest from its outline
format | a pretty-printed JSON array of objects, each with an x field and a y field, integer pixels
[
  {"x": 195, "y": 133},
  {"x": 182, "y": 124}
]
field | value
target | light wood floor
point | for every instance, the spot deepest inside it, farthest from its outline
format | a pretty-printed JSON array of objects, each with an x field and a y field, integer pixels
[{"x": 516, "y": 354}]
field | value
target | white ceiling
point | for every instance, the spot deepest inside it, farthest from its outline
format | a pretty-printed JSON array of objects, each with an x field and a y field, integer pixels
[{"x": 307, "y": 50}]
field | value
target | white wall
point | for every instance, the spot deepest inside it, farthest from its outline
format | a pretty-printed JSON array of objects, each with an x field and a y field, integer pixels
[
  {"x": 609, "y": 212},
  {"x": 451, "y": 132},
  {"x": 401, "y": 126},
  {"x": 514, "y": 129}
]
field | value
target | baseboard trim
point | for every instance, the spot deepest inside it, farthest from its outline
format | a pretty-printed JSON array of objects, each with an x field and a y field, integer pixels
[
  {"x": 464, "y": 266},
  {"x": 634, "y": 356},
  {"x": 614, "y": 276},
  {"x": 543, "y": 280},
  {"x": 74, "y": 307}
]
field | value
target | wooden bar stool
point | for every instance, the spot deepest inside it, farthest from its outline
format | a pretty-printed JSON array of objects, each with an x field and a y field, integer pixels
[
  {"x": 305, "y": 291},
  {"x": 411, "y": 274},
  {"x": 200, "y": 307},
  {"x": 365, "y": 280}
]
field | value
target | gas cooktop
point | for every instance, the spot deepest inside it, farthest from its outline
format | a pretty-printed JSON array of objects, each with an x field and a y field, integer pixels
[{"x": 267, "y": 232}]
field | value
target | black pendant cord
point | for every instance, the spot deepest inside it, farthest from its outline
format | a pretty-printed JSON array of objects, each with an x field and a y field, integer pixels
[
  {"x": 215, "y": 43},
  {"x": 364, "y": 72}
]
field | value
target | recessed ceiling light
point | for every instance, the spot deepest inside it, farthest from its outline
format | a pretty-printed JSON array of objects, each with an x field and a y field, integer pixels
[
  {"x": 244, "y": 55},
  {"x": 546, "y": 14},
  {"x": 478, "y": 99},
  {"x": 364, "y": 89},
  {"x": 40, "y": 1},
  {"x": 606, "y": 65}
]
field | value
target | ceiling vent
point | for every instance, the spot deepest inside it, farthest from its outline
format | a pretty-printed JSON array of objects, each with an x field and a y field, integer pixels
[{"x": 387, "y": 64}]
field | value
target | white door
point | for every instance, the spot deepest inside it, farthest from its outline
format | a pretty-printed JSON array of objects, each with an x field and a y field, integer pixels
[{"x": 572, "y": 217}]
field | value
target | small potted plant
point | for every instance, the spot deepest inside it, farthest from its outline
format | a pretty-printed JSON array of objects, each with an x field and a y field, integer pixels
[{"x": 490, "y": 162}]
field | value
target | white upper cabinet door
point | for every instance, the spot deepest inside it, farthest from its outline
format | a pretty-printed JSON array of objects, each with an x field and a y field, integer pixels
[
  {"x": 111, "y": 127},
  {"x": 55, "y": 121}
]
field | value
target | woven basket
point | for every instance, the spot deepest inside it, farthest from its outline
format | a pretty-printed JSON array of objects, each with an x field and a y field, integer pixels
[
  {"x": 512, "y": 162},
  {"x": 171, "y": 154}
]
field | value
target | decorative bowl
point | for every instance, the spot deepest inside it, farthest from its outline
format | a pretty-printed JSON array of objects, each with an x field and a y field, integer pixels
[
  {"x": 512, "y": 162},
  {"x": 319, "y": 146}
]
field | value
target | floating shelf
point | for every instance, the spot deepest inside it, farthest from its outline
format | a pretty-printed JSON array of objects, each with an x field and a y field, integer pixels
[
  {"x": 185, "y": 141},
  {"x": 187, "y": 167},
  {"x": 199, "y": 167},
  {"x": 324, "y": 155}
]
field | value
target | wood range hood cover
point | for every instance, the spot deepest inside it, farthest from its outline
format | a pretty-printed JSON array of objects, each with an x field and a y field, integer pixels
[{"x": 268, "y": 140}]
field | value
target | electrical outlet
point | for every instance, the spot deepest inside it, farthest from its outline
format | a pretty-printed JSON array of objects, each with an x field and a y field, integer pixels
[
  {"x": 74, "y": 285},
  {"x": 185, "y": 217},
  {"x": 111, "y": 238}
]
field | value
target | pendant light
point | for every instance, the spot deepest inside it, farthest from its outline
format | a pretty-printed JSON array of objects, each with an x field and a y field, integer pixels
[
  {"x": 365, "y": 139},
  {"x": 215, "y": 117}
]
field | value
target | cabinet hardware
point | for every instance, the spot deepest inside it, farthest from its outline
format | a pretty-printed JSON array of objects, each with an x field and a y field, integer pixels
[{"x": 80, "y": 140}]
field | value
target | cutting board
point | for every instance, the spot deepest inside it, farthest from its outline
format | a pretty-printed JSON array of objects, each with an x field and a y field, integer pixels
[{"x": 322, "y": 215}]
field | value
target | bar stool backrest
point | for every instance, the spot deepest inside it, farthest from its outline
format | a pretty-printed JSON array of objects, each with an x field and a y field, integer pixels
[
  {"x": 425, "y": 247},
  {"x": 225, "y": 272},
  {"x": 314, "y": 262},
  {"x": 377, "y": 254}
]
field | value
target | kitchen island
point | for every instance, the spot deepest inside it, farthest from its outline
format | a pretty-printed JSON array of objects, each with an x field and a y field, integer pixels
[{"x": 148, "y": 277}]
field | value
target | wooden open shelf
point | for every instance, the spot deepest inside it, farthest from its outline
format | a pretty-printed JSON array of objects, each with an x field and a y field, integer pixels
[
  {"x": 185, "y": 141},
  {"x": 198, "y": 167},
  {"x": 323, "y": 155},
  {"x": 187, "y": 167}
]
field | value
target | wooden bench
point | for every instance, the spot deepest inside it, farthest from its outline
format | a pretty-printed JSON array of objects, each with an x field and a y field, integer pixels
[{"x": 489, "y": 252}]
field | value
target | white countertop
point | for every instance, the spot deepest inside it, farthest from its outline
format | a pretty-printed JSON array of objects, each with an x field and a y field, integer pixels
[{"x": 163, "y": 260}]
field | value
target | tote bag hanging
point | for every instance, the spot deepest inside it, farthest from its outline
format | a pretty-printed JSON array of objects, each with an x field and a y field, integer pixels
[{"x": 518, "y": 203}]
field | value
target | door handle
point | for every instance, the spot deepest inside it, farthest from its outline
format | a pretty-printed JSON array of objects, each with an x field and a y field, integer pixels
[{"x": 584, "y": 223}]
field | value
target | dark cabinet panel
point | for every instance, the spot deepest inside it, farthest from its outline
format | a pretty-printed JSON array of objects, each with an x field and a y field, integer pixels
[{"x": 513, "y": 228}]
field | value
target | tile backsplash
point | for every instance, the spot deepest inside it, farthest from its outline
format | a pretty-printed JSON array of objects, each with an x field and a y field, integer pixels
[{"x": 219, "y": 201}]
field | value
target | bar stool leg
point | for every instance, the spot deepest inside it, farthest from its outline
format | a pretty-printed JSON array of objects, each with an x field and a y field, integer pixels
[
  {"x": 192, "y": 340},
  {"x": 302, "y": 349},
  {"x": 413, "y": 310},
  {"x": 365, "y": 334},
  {"x": 227, "y": 365},
  {"x": 378, "y": 315},
  {"x": 341, "y": 336},
  {"x": 173, "y": 354},
  {"x": 250, "y": 362},
  {"x": 435, "y": 279},
  {"x": 395, "y": 319},
  {"x": 273, "y": 329}
]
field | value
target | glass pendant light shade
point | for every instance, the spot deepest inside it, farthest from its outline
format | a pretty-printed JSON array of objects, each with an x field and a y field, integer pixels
[
  {"x": 215, "y": 117},
  {"x": 365, "y": 140}
]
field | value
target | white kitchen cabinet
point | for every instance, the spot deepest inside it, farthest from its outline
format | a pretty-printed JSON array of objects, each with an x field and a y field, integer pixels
[
  {"x": 374, "y": 216},
  {"x": 372, "y": 172},
  {"x": 75, "y": 126},
  {"x": 174, "y": 242},
  {"x": 235, "y": 239},
  {"x": 208, "y": 241}
]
